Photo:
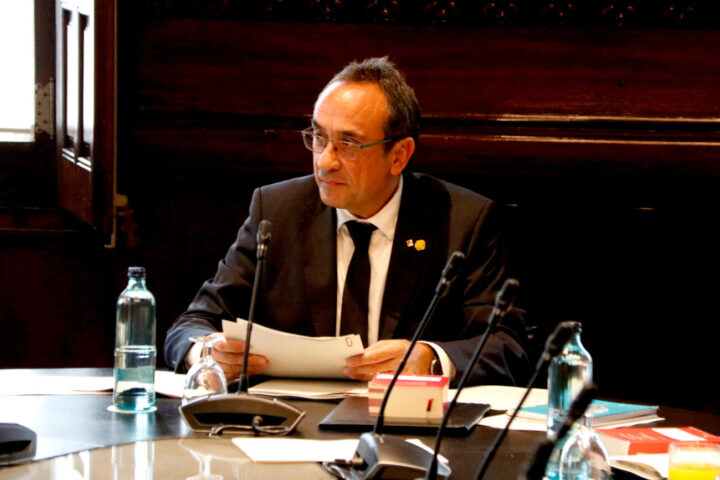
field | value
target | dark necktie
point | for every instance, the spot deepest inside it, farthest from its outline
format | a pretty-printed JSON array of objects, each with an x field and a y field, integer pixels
[{"x": 354, "y": 315}]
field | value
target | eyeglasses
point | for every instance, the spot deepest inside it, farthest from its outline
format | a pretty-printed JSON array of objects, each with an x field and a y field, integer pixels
[{"x": 346, "y": 149}]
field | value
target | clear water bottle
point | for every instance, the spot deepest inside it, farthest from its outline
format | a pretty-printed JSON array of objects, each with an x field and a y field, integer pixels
[
  {"x": 135, "y": 350},
  {"x": 567, "y": 375}
]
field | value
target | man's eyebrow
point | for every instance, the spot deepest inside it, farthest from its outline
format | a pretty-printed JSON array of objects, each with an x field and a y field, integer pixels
[{"x": 344, "y": 133}]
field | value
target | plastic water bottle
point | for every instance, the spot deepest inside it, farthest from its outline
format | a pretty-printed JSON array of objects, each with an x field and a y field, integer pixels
[
  {"x": 567, "y": 375},
  {"x": 135, "y": 350}
]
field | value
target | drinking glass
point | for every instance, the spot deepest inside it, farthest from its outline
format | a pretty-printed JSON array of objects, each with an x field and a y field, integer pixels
[
  {"x": 202, "y": 452},
  {"x": 583, "y": 456},
  {"x": 205, "y": 378},
  {"x": 694, "y": 461}
]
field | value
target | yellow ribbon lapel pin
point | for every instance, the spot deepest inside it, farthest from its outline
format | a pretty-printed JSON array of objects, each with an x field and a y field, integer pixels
[{"x": 418, "y": 244}]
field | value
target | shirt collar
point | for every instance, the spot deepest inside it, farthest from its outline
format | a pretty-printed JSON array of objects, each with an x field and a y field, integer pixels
[{"x": 384, "y": 220}]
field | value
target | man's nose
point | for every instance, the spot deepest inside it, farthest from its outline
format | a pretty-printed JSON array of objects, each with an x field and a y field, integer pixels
[{"x": 328, "y": 159}]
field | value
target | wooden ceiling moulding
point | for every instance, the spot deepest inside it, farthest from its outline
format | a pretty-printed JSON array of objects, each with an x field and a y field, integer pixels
[{"x": 649, "y": 14}]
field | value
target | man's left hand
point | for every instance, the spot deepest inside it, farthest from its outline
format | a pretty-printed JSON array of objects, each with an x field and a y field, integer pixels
[{"x": 385, "y": 356}]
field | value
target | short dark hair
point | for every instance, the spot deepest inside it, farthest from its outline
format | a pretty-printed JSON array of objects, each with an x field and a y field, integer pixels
[{"x": 404, "y": 109}]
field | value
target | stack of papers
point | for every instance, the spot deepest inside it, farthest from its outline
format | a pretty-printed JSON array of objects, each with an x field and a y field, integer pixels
[
  {"x": 310, "y": 389},
  {"x": 297, "y": 356}
]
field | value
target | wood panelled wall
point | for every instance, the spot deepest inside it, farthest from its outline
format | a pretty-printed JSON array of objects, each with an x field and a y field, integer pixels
[{"x": 602, "y": 143}]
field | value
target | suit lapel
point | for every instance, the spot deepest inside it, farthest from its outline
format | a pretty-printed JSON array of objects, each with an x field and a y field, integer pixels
[
  {"x": 414, "y": 243},
  {"x": 320, "y": 270}
]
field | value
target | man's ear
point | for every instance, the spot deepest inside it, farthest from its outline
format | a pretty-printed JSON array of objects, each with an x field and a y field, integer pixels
[{"x": 401, "y": 153}]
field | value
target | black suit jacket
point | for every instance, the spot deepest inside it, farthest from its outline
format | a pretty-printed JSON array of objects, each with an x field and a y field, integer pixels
[{"x": 299, "y": 284}]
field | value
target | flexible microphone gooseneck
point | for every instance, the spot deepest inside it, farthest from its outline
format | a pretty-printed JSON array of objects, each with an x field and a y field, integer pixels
[
  {"x": 378, "y": 456},
  {"x": 554, "y": 345},
  {"x": 243, "y": 412},
  {"x": 536, "y": 470},
  {"x": 503, "y": 303},
  {"x": 263, "y": 239},
  {"x": 449, "y": 274}
]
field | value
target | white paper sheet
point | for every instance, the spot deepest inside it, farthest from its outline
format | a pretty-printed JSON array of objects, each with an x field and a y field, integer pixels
[
  {"x": 310, "y": 389},
  {"x": 650, "y": 466},
  {"x": 297, "y": 356},
  {"x": 166, "y": 383},
  {"x": 285, "y": 450},
  {"x": 23, "y": 384},
  {"x": 501, "y": 397},
  {"x": 506, "y": 398}
]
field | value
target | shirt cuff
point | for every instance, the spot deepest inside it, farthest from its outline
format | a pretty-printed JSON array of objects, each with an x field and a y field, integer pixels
[
  {"x": 193, "y": 355},
  {"x": 447, "y": 365}
]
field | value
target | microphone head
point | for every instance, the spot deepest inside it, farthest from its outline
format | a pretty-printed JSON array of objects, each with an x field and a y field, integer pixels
[
  {"x": 263, "y": 235},
  {"x": 452, "y": 266},
  {"x": 581, "y": 402},
  {"x": 449, "y": 273},
  {"x": 506, "y": 296},
  {"x": 559, "y": 337}
]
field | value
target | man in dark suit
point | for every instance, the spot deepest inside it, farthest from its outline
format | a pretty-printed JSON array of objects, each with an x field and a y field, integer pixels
[{"x": 363, "y": 134}]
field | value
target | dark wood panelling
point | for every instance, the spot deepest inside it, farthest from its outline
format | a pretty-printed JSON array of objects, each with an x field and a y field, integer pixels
[
  {"x": 478, "y": 13},
  {"x": 264, "y": 68},
  {"x": 603, "y": 146},
  {"x": 57, "y": 295}
]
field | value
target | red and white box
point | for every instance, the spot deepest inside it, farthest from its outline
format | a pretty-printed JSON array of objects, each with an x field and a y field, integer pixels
[
  {"x": 414, "y": 398},
  {"x": 635, "y": 440}
]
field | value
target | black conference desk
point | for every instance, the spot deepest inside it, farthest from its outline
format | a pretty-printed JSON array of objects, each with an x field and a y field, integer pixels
[{"x": 78, "y": 433}]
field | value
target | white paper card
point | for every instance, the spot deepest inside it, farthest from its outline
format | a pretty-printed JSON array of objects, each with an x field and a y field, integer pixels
[
  {"x": 284, "y": 450},
  {"x": 297, "y": 356},
  {"x": 311, "y": 389}
]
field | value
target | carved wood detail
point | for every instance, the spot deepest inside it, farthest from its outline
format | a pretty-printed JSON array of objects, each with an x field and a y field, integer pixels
[{"x": 688, "y": 14}]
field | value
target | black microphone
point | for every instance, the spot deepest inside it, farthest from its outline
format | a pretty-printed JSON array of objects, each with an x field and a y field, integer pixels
[
  {"x": 244, "y": 412},
  {"x": 554, "y": 345},
  {"x": 263, "y": 239},
  {"x": 503, "y": 303},
  {"x": 536, "y": 470},
  {"x": 383, "y": 457},
  {"x": 448, "y": 276}
]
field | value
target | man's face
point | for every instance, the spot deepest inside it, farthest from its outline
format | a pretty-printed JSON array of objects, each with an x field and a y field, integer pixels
[{"x": 355, "y": 111}]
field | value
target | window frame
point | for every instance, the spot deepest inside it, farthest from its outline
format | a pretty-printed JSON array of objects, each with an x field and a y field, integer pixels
[
  {"x": 27, "y": 176},
  {"x": 39, "y": 176}
]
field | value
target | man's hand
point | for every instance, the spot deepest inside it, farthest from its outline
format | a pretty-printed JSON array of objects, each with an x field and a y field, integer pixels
[
  {"x": 229, "y": 355},
  {"x": 385, "y": 356}
]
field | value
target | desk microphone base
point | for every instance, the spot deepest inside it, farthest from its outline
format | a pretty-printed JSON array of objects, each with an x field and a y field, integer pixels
[
  {"x": 384, "y": 457},
  {"x": 241, "y": 413}
]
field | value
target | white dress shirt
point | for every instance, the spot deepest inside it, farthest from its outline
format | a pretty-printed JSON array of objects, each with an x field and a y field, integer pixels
[{"x": 379, "y": 251}]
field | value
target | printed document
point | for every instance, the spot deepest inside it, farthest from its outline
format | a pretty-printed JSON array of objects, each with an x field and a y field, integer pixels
[{"x": 297, "y": 356}]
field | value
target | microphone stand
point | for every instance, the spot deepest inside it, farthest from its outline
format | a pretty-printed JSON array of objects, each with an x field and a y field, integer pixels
[
  {"x": 554, "y": 345},
  {"x": 244, "y": 412},
  {"x": 263, "y": 239},
  {"x": 503, "y": 302},
  {"x": 536, "y": 470},
  {"x": 383, "y": 457}
]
